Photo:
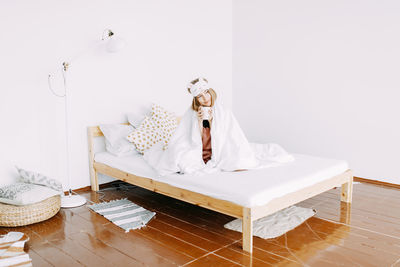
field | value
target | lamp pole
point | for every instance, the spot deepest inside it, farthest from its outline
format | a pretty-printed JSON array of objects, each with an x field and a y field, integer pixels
[{"x": 70, "y": 200}]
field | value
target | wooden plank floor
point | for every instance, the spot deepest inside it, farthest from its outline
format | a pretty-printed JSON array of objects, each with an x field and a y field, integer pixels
[{"x": 186, "y": 235}]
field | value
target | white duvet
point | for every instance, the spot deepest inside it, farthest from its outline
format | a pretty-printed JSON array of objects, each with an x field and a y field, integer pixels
[{"x": 230, "y": 148}]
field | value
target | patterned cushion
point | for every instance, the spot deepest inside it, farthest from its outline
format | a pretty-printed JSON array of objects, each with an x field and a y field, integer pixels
[
  {"x": 157, "y": 128},
  {"x": 37, "y": 178},
  {"x": 145, "y": 136},
  {"x": 25, "y": 194}
]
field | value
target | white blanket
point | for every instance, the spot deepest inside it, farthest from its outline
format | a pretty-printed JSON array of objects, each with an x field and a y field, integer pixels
[{"x": 230, "y": 149}]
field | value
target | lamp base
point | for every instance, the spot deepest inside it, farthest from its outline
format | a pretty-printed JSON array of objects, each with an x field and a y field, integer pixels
[{"x": 72, "y": 201}]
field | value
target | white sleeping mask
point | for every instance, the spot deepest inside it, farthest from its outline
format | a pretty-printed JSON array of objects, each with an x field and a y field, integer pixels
[{"x": 199, "y": 87}]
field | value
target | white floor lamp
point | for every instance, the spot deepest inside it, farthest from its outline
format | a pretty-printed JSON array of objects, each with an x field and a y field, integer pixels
[{"x": 113, "y": 45}]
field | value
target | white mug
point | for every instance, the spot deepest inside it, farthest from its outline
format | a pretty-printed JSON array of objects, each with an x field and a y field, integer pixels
[{"x": 206, "y": 112}]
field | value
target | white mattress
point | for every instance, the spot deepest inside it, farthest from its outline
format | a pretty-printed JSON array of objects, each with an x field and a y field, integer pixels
[{"x": 247, "y": 188}]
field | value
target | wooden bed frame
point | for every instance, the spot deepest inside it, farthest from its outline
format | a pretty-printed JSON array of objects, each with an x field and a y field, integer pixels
[{"x": 248, "y": 215}]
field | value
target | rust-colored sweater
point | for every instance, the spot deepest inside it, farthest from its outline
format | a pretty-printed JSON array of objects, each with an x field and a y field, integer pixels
[{"x": 206, "y": 139}]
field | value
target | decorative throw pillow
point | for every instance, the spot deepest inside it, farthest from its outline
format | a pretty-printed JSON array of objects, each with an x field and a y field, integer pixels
[
  {"x": 115, "y": 137},
  {"x": 166, "y": 121},
  {"x": 157, "y": 128},
  {"x": 37, "y": 178},
  {"x": 145, "y": 136},
  {"x": 25, "y": 194}
]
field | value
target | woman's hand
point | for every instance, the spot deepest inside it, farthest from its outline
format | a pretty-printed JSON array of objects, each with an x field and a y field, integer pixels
[
  {"x": 200, "y": 114},
  {"x": 210, "y": 112}
]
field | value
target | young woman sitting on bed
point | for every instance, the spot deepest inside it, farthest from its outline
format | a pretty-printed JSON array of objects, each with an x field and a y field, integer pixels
[
  {"x": 204, "y": 99},
  {"x": 203, "y": 144}
]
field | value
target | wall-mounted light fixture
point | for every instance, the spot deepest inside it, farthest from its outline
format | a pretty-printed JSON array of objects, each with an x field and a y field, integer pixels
[{"x": 114, "y": 44}]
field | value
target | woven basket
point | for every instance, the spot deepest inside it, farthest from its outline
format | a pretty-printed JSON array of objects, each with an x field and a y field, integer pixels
[{"x": 11, "y": 215}]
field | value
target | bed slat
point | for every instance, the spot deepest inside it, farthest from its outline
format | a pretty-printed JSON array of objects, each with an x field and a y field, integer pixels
[
  {"x": 211, "y": 203},
  {"x": 300, "y": 195}
]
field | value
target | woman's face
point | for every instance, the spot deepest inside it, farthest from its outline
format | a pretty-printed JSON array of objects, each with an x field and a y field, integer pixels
[{"x": 204, "y": 98}]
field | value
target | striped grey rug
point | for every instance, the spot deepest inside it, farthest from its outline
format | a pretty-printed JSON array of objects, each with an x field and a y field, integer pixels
[{"x": 124, "y": 213}]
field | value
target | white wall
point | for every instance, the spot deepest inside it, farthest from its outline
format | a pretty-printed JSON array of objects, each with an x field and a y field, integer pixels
[
  {"x": 323, "y": 76},
  {"x": 323, "y": 79},
  {"x": 168, "y": 44}
]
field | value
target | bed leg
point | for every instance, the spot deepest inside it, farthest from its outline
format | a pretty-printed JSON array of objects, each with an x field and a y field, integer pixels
[
  {"x": 247, "y": 229},
  {"x": 347, "y": 190},
  {"x": 345, "y": 212},
  {"x": 94, "y": 181}
]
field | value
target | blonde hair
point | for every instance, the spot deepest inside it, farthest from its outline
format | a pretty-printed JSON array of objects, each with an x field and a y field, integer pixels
[{"x": 195, "y": 102}]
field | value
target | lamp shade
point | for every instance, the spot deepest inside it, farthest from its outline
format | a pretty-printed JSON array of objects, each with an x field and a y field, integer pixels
[{"x": 114, "y": 44}]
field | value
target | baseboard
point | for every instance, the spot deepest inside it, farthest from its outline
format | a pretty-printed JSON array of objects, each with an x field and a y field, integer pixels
[{"x": 376, "y": 182}]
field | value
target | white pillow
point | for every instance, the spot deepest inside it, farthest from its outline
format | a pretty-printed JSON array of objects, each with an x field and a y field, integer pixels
[
  {"x": 25, "y": 194},
  {"x": 139, "y": 112},
  {"x": 116, "y": 143},
  {"x": 37, "y": 178}
]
